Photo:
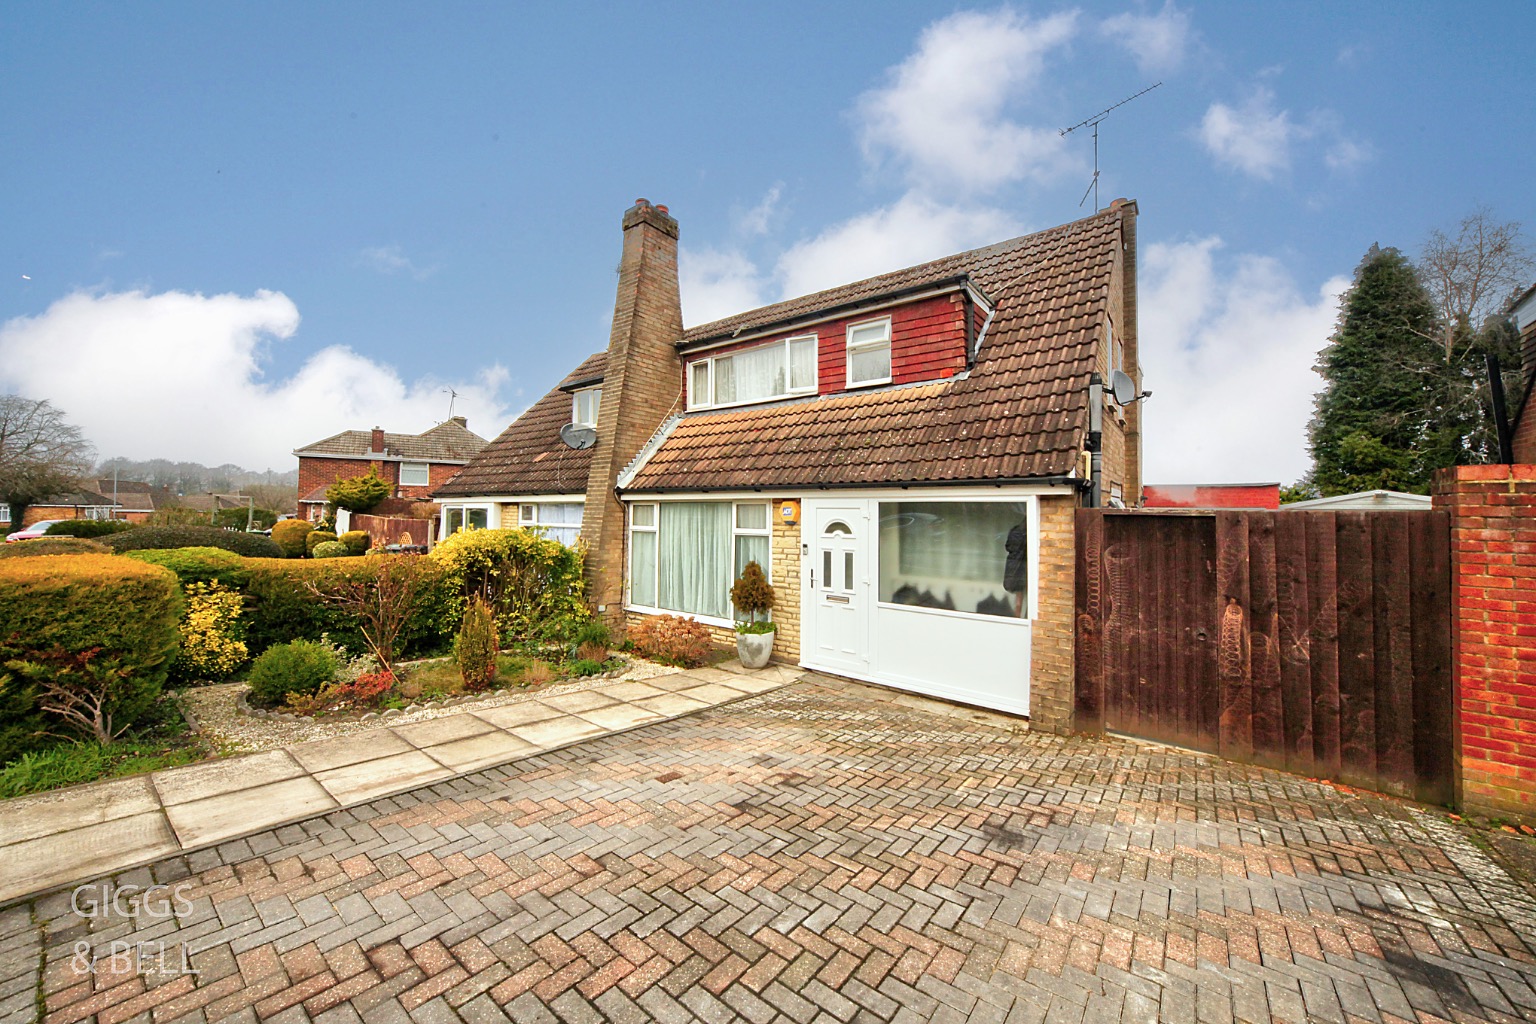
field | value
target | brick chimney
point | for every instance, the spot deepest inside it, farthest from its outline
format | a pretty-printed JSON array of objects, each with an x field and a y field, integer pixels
[
  {"x": 378, "y": 441},
  {"x": 641, "y": 386}
]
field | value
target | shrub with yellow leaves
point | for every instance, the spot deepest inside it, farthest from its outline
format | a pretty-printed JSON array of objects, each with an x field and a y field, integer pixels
[{"x": 211, "y": 635}]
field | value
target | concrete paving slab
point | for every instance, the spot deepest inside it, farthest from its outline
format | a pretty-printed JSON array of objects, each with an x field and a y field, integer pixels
[
  {"x": 472, "y": 753},
  {"x": 318, "y": 755},
  {"x": 671, "y": 704},
  {"x": 755, "y": 682},
  {"x": 620, "y": 716},
  {"x": 368, "y": 780},
  {"x": 64, "y": 810},
  {"x": 630, "y": 691},
  {"x": 226, "y": 775},
  {"x": 581, "y": 700},
  {"x": 37, "y": 864},
  {"x": 556, "y": 731},
  {"x": 673, "y": 683},
  {"x": 217, "y": 818},
  {"x": 713, "y": 693},
  {"x": 517, "y": 714},
  {"x": 441, "y": 730},
  {"x": 712, "y": 675}
]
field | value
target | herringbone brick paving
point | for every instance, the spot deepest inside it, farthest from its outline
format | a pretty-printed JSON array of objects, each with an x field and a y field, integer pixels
[{"x": 825, "y": 853}]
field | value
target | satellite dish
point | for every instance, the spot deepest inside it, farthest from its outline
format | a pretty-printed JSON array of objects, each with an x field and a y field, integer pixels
[
  {"x": 578, "y": 437},
  {"x": 1123, "y": 388}
]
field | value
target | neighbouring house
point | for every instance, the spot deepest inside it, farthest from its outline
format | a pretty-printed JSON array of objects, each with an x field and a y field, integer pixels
[
  {"x": 131, "y": 500},
  {"x": 413, "y": 464},
  {"x": 1211, "y": 496},
  {"x": 902, "y": 455},
  {"x": 1378, "y": 500},
  {"x": 1524, "y": 418}
]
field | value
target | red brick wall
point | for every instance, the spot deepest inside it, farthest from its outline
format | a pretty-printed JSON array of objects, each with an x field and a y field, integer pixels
[
  {"x": 927, "y": 342},
  {"x": 1525, "y": 432},
  {"x": 320, "y": 472},
  {"x": 1493, "y": 565}
]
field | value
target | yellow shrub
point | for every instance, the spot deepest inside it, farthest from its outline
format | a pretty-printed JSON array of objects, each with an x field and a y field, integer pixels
[{"x": 211, "y": 647}]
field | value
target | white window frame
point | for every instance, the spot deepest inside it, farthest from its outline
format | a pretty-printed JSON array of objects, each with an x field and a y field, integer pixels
[
  {"x": 707, "y": 401},
  {"x": 530, "y": 514},
  {"x": 426, "y": 473},
  {"x": 852, "y": 346},
  {"x": 492, "y": 518},
  {"x": 655, "y": 527},
  {"x": 578, "y": 397}
]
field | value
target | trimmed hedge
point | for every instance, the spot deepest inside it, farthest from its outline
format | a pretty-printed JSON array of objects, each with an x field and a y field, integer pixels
[
  {"x": 198, "y": 565},
  {"x": 280, "y": 608},
  {"x": 330, "y": 549},
  {"x": 88, "y": 527},
  {"x": 289, "y": 535},
  {"x": 252, "y": 545},
  {"x": 53, "y": 546},
  {"x": 76, "y": 603},
  {"x": 357, "y": 541},
  {"x": 315, "y": 538}
]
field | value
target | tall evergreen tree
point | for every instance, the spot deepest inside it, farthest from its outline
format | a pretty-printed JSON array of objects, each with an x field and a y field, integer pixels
[{"x": 1383, "y": 417}]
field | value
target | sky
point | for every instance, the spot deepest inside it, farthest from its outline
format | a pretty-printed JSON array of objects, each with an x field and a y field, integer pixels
[{"x": 230, "y": 230}]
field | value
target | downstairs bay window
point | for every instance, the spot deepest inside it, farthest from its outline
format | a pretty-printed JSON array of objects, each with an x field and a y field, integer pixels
[{"x": 684, "y": 555}]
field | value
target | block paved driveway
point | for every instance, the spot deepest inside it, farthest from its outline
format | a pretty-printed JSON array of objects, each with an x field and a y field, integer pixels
[{"x": 827, "y": 852}]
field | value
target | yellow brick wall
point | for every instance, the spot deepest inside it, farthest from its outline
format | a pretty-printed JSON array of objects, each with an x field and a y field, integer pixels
[
  {"x": 1051, "y": 662},
  {"x": 786, "y": 586}
]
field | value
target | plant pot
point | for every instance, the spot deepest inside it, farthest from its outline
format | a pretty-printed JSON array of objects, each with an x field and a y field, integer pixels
[{"x": 754, "y": 649}]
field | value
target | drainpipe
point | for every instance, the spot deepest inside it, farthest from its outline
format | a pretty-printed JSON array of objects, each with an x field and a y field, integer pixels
[{"x": 1095, "y": 439}]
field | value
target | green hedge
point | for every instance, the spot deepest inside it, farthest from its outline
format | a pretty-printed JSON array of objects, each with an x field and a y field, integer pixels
[
  {"x": 88, "y": 527},
  {"x": 76, "y": 603},
  {"x": 252, "y": 545},
  {"x": 199, "y": 565},
  {"x": 53, "y": 546},
  {"x": 280, "y": 608}
]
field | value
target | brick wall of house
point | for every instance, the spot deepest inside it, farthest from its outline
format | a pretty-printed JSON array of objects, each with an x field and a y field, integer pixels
[
  {"x": 1525, "y": 432},
  {"x": 1051, "y": 675},
  {"x": 785, "y": 555},
  {"x": 1493, "y": 623},
  {"x": 322, "y": 472},
  {"x": 642, "y": 385}
]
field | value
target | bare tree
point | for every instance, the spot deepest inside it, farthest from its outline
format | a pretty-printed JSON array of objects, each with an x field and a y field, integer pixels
[
  {"x": 40, "y": 453},
  {"x": 1472, "y": 274}
]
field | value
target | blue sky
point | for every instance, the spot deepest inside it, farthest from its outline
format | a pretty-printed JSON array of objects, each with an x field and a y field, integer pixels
[{"x": 230, "y": 230}]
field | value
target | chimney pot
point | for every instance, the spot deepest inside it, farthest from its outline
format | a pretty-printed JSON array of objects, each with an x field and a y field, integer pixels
[
  {"x": 660, "y": 208},
  {"x": 642, "y": 202}
]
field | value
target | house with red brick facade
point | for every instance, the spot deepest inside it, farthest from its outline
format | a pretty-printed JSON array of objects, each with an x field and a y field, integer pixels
[
  {"x": 413, "y": 464},
  {"x": 1524, "y": 430},
  {"x": 902, "y": 455}
]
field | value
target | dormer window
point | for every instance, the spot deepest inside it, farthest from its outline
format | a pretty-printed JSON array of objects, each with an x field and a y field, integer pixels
[
  {"x": 869, "y": 353},
  {"x": 779, "y": 369},
  {"x": 584, "y": 406}
]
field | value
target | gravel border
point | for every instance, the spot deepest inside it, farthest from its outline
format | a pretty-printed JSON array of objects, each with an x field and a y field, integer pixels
[{"x": 217, "y": 711}]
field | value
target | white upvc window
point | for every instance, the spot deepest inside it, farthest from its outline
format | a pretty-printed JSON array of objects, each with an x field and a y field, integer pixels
[
  {"x": 557, "y": 520},
  {"x": 415, "y": 474},
  {"x": 869, "y": 352},
  {"x": 465, "y": 517},
  {"x": 779, "y": 369},
  {"x": 584, "y": 405},
  {"x": 685, "y": 555}
]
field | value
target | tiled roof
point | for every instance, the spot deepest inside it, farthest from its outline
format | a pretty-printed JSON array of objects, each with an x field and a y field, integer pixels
[
  {"x": 1021, "y": 412},
  {"x": 529, "y": 457},
  {"x": 450, "y": 441}
]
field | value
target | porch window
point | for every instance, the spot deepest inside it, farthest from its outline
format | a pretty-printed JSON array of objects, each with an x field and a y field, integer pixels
[
  {"x": 869, "y": 353},
  {"x": 963, "y": 556},
  {"x": 415, "y": 474},
  {"x": 464, "y": 517},
  {"x": 684, "y": 555},
  {"x": 558, "y": 520}
]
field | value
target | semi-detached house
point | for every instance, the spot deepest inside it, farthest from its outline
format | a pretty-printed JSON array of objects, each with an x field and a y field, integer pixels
[{"x": 902, "y": 455}]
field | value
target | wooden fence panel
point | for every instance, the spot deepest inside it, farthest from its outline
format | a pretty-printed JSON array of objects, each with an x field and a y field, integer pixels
[{"x": 1317, "y": 642}]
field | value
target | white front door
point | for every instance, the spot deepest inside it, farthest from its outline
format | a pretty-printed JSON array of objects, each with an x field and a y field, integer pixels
[{"x": 837, "y": 588}]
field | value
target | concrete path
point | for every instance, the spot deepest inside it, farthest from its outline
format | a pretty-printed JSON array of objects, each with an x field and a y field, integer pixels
[
  {"x": 827, "y": 852},
  {"x": 54, "y": 839}
]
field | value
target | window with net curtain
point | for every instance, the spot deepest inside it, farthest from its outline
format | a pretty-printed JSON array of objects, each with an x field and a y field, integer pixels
[
  {"x": 760, "y": 374},
  {"x": 964, "y": 556},
  {"x": 684, "y": 555},
  {"x": 560, "y": 520}
]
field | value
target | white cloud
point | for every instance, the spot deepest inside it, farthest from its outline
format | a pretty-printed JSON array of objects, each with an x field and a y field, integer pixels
[
  {"x": 180, "y": 376},
  {"x": 1255, "y": 138},
  {"x": 1156, "y": 41},
  {"x": 1228, "y": 346},
  {"x": 716, "y": 283},
  {"x": 759, "y": 219},
  {"x": 941, "y": 116},
  {"x": 390, "y": 260},
  {"x": 911, "y": 230}
]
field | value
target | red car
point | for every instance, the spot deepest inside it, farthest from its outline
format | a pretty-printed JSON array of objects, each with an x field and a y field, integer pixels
[{"x": 32, "y": 532}]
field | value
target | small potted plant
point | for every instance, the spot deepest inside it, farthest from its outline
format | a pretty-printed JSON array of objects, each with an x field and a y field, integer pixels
[{"x": 753, "y": 598}]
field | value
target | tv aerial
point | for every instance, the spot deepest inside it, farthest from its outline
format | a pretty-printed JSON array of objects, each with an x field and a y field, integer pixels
[
  {"x": 1093, "y": 186},
  {"x": 452, "y": 397}
]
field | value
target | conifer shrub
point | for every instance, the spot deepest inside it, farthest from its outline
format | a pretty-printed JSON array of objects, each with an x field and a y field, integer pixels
[
  {"x": 301, "y": 667},
  {"x": 88, "y": 527},
  {"x": 289, "y": 535},
  {"x": 91, "y": 632},
  {"x": 141, "y": 538},
  {"x": 315, "y": 538},
  {"x": 53, "y": 546},
  {"x": 475, "y": 647},
  {"x": 198, "y": 565},
  {"x": 357, "y": 541},
  {"x": 330, "y": 549},
  {"x": 752, "y": 596}
]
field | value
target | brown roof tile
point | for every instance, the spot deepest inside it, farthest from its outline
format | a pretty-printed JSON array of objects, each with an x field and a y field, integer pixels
[
  {"x": 1020, "y": 413},
  {"x": 450, "y": 441},
  {"x": 529, "y": 457}
]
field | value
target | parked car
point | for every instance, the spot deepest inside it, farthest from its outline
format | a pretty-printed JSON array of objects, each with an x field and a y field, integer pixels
[{"x": 32, "y": 532}]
